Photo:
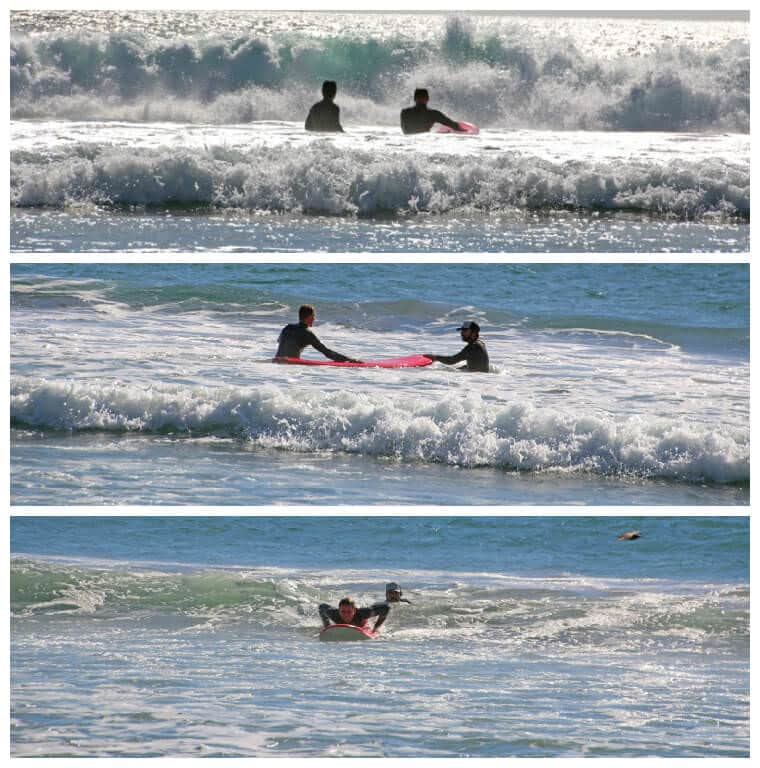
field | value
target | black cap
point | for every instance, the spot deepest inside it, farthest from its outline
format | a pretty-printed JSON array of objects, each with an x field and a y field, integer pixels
[{"x": 469, "y": 325}]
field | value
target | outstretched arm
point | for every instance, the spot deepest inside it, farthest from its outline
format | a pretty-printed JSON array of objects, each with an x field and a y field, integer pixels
[
  {"x": 336, "y": 356},
  {"x": 441, "y": 118},
  {"x": 450, "y": 359}
]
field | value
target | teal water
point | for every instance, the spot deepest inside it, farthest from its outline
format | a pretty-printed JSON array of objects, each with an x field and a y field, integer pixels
[
  {"x": 144, "y": 383},
  {"x": 179, "y": 636}
]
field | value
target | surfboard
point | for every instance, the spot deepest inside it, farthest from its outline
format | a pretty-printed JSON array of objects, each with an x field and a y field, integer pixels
[
  {"x": 412, "y": 361},
  {"x": 346, "y": 633},
  {"x": 468, "y": 128}
]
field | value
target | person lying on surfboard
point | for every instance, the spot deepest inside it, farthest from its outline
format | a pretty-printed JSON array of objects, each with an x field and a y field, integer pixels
[
  {"x": 420, "y": 119},
  {"x": 348, "y": 613},
  {"x": 295, "y": 337},
  {"x": 324, "y": 116},
  {"x": 474, "y": 352}
]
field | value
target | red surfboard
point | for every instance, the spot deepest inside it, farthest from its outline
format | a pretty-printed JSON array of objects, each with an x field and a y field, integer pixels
[
  {"x": 413, "y": 361},
  {"x": 467, "y": 129},
  {"x": 346, "y": 633}
]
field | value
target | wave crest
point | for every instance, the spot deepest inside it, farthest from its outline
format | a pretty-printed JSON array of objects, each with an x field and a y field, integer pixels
[{"x": 467, "y": 433}]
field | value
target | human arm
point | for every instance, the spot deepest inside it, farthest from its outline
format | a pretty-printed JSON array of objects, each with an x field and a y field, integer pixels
[
  {"x": 450, "y": 359},
  {"x": 328, "y": 353},
  {"x": 380, "y": 610},
  {"x": 447, "y": 121},
  {"x": 327, "y": 614}
]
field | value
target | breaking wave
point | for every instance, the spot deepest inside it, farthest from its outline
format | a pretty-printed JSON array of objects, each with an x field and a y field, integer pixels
[
  {"x": 452, "y": 430},
  {"x": 510, "y": 78},
  {"x": 327, "y": 179}
]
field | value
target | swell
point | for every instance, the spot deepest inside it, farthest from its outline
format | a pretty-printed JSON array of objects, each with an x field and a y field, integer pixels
[
  {"x": 511, "y": 78},
  {"x": 459, "y": 432}
]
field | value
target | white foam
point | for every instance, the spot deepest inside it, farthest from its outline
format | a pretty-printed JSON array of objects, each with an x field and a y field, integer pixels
[{"x": 449, "y": 430}]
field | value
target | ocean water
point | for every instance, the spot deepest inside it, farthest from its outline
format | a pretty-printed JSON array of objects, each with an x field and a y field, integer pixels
[
  {"x": 183, "y": 131},
  {"x": 525, "y": 636},
  {"x": 153, "y": 384}
]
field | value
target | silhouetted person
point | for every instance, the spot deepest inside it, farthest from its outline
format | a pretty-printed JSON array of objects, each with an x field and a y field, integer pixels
[
  {"x": 324, "y": 116},
  {"x": 420, "y": 119}
]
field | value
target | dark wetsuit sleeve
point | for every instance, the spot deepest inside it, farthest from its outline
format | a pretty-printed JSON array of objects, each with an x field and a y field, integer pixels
[
  {"x": 453, "y": 359},
  {"x": 381, "y": 611},
  {"x": 320, "y": 347},
  {"x": 309, "y": 125},
  {"x": 329, "y": 615},
  {"x": 441, "y": 118}
]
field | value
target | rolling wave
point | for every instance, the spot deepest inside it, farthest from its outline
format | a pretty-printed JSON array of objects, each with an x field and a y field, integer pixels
[
  {"x": 510, "y": 78},
  {"x": 326, "y": 179},
  {"x": 452, "y": 430}
]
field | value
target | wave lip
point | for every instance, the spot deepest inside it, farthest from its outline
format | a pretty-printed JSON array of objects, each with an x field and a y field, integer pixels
[{"x": 472, "y": 433}]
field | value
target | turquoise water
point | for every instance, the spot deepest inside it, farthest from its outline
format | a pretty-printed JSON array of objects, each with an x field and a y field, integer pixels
[
  {"x": 197, "y": 636},
  {"x": 144, "y": 383}
]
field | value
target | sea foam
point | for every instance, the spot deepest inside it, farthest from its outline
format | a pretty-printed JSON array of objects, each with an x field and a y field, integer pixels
[
  {"x": 449, "y": 430},
  {"x": 335, "y": 180}
]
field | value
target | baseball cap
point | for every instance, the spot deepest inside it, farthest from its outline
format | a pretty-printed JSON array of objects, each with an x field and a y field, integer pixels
[
  {"x": 469, "y": 325},
  {"x": 392, "y": 586}
]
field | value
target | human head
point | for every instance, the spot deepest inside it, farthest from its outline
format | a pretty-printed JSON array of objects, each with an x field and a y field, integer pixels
[
  {"x": 421, "y": 96},
  {"x": 329, "y": 89},
  {"x": 470, "y": 330},
  {"x": 347, "y": 609},
  {"x": 392, "y": 592},
  {"x": 306, "y": 314}
]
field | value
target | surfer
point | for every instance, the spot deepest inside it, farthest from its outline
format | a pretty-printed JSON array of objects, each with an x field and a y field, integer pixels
[
  {"x": 474, "y": 352},
  {"x": 420, "y": 119},
  {"x": 348, "y": 613},
  {"x": 324, "y": 116},
  {"x": 295, "y": 337}
]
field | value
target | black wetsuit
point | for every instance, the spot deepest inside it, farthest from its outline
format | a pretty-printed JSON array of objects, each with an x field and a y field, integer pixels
[
  {"x": 295, "y": 337},
  {"x": 420, "y": 119},
  {"x": 324, "y": 117},
  {"x": 474, "y": 353},
  {"x": 328, "y": 614}
]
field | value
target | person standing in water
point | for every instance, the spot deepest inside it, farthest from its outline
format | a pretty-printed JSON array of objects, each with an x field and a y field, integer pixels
[
  {"x": 474, "y": 353},
  {"x": 295, "y": 337},
  {"x": 324, "y": 116},
  {"x": 420, "y": 119}
]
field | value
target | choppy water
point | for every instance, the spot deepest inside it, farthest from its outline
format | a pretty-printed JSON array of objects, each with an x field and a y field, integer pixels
[
  {"x": 525, "y": 637},
  {"x": 205, "y": 113},
  {"x": 605, "y": 378}
]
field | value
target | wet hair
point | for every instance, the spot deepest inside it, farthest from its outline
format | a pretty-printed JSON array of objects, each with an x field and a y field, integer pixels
[
  {"x": 421, "y": 93},
  {"x": 329, "y": 89},
  {"x": 304, "y": 311},
  {"x": 347, "y": 601}
]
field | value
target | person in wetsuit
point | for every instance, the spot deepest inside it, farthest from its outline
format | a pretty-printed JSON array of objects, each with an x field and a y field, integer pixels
[
  {"x": 474, "y": 352},
  {"x": 420, "y": 119},
  {"x": 348, "y": 613},
  {"x": 324, "y": 116},
  {"x": 295, "y": 337}
]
